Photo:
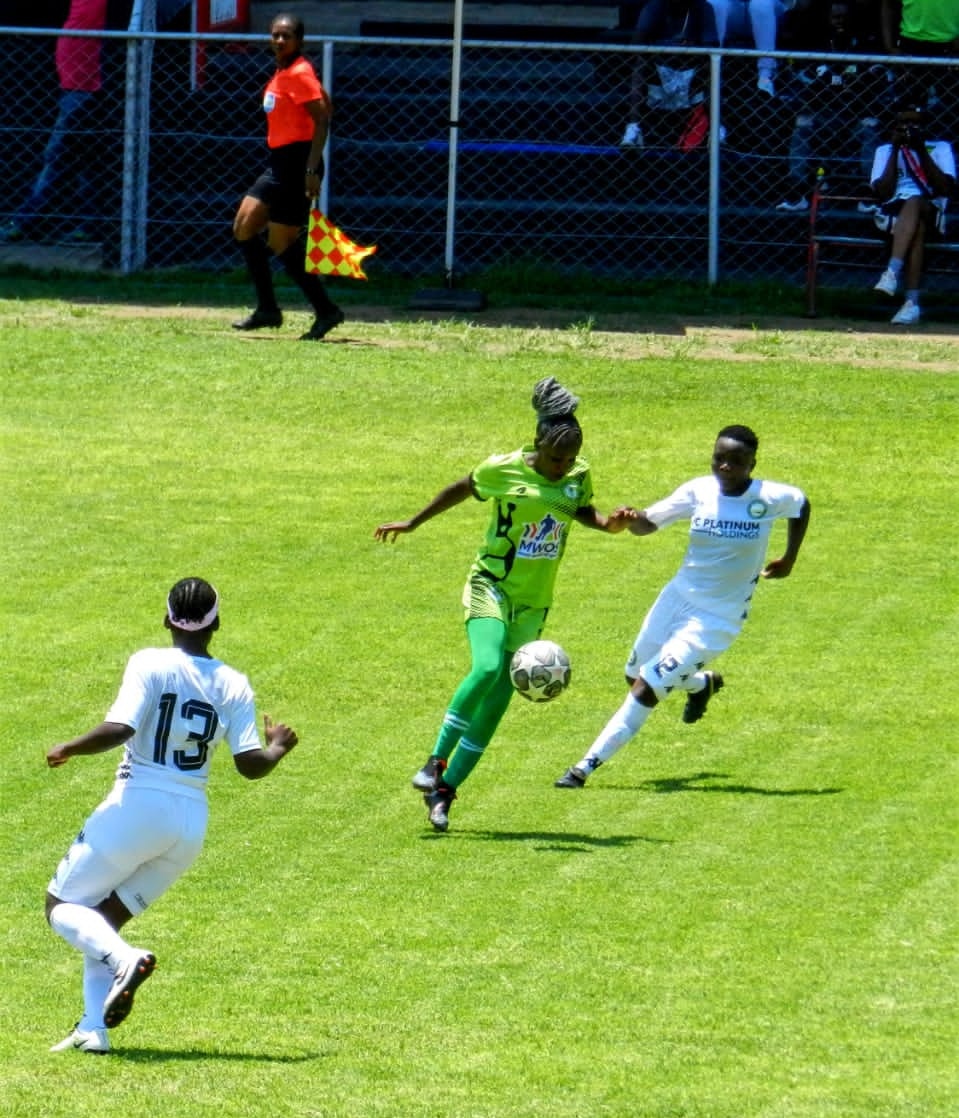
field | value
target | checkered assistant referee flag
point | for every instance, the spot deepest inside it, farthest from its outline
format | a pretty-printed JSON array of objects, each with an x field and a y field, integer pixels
[{"x": 330, "y": 252}]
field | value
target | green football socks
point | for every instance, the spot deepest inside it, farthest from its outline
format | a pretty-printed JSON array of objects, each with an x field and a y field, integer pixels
[{"x": 479, "y": 702}]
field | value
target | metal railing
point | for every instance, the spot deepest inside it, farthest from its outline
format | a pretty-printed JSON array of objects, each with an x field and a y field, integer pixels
[{"x": 533, "y": 169}]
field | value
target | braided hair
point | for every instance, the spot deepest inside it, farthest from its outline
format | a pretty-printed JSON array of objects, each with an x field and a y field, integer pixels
[
  {"x": 556, "y": 425},
  {"x": 190, "y": 601}
]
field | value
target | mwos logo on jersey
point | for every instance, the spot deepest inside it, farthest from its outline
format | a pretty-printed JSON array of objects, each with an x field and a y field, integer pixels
[{"x": 542, "y": 539}]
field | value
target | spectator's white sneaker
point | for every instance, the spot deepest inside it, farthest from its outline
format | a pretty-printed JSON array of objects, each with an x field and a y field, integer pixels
[
  {"x": 888, "y": 282},
  {"x": 798, "y": 206},
  {"x": 95, "y": 1041},
  {"x": 907, "y": 315},
  {"x": 767, "y": 86},
  {"x": 632, "y": 137}
]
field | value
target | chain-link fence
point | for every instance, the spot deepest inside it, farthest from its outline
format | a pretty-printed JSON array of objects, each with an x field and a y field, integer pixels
[{"x": 150, "y": 169}]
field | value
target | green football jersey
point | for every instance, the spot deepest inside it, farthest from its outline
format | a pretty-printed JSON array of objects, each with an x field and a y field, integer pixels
[{"x": 529, "y": 523}]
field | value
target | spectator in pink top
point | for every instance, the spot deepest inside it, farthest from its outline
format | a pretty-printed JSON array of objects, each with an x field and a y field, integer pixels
[{"x": 79, "y": 69}]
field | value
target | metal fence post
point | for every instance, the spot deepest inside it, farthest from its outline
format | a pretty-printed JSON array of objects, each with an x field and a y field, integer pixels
[
  {"x": 715, "y": 102},
  {"x": 136, "y": 141},
  {"x": 327, "y": 80}
]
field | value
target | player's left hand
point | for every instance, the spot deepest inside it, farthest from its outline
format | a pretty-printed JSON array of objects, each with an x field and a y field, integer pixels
[
  {"x": 56, "y": 757},
  {"x": 278, "y": 734}
]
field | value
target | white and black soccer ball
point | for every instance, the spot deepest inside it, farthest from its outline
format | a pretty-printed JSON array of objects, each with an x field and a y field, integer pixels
[{"x": 540, "y": 671}]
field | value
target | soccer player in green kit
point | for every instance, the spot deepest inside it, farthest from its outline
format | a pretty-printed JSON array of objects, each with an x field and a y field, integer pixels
[{"x": 536, "y": 493}]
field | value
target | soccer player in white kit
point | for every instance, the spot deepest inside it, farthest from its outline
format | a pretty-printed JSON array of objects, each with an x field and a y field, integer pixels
[
  {"x": 701, "y": 610},
  {"x": 174, "y": 706}
]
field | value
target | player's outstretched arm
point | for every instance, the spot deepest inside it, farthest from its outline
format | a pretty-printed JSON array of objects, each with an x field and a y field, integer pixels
[
  {"x": 616, "y": 521},
  {"x": 108, "y": 735},
  {"x": 796, "y": 533},
  {"x": 255, "y": 763},
  {"x": 640, "y": 524},
  {"x": 447, "y": 498}
]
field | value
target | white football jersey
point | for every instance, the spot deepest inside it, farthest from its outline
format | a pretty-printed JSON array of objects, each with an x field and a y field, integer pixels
[
  {"x": 180, "y": 707},
  {"x": 728, "y": 537}
]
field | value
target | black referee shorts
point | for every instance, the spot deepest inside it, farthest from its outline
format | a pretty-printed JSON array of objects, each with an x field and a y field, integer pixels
[{"x": 281, "y": 188}]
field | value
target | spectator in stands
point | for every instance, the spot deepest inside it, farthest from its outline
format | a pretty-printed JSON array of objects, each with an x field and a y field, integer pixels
[
  {"x": 912, "y": 177},
  {"x": 866, "y": 20},
  {"x": 66, "y": 175},
  {"x": 678, "y": 22},
  {"x": 628, "y": 15},
  {"x": 755, "y": 20},
  {"x": 798, "y": 29},
  {"x": 928, "y": 29},
  {"x": 298, "y": 120},
  {"x": 840, "y": 105}
]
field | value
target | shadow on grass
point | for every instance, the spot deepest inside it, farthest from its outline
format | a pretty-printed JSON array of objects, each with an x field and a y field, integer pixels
[
  {"x": 709, "y": 782},
  {"x": 560, "y": 840},
  {"x": 282, "y": 339},
  {"x": 159, "y": 1055}
]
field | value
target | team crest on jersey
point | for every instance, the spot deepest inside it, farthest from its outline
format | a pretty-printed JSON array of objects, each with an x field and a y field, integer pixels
[
  {"x": 542, "y": 539},
  {"x": 757, "y": 509},
  {"x": 571, "y": 489}
]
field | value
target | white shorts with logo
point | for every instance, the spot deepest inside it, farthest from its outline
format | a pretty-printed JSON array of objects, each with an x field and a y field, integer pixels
[
  {"x": 137, "y": 843},
  {"x": 676, "y": 641}
]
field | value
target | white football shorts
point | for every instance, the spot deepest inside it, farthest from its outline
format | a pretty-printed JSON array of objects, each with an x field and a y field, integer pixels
[
  {"x": 137, "y": 843},
  {"x": 676, "y": 641}
]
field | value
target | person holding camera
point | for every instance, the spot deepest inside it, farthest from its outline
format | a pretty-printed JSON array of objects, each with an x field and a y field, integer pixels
[{"x": 912, "y": 177}]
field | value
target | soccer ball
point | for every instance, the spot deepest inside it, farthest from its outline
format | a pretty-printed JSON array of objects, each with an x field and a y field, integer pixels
[{"x": 540, "y": 671}]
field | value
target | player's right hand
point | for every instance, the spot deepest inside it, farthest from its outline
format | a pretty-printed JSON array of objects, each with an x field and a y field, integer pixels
[
  {"x": 388, "y": 532},
  {"x": 56, "y": 757}
]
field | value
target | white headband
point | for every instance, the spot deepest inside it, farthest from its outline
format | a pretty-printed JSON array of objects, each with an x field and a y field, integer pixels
[{"x": 195, "y": 626}]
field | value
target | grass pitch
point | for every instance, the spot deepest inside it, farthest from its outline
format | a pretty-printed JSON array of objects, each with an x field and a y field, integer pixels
[{"x": 752, "y": 917}]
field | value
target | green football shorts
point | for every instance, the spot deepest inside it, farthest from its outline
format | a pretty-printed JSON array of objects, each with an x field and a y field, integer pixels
[{"x": 484, "y": 598}]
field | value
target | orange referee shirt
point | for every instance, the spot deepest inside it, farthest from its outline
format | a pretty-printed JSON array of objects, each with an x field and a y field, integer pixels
[{"x": 287, "y": 121}]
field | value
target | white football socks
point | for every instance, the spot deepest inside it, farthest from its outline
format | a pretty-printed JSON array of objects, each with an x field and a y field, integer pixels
[
  {"x": 97, "y": 980},
  {"x": 620, "y": 729},
  {"x": 86, "y": 930}
]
